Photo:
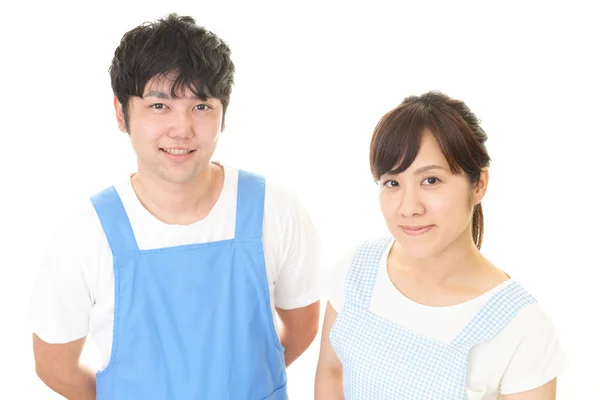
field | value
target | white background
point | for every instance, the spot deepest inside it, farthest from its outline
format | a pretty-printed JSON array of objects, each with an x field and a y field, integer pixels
[{"x": 312, "y": 81}]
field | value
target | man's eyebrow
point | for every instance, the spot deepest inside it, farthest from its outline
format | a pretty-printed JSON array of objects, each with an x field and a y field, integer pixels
[
  {"x": 167, "y": 96},
  {"x": 158, "y": 94}
]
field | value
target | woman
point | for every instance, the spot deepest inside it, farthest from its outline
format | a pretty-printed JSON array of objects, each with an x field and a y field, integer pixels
[{"x": 423, "y": 314}]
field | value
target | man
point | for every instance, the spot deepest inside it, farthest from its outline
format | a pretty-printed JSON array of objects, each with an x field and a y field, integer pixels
[{"x": 177, "y": 273}]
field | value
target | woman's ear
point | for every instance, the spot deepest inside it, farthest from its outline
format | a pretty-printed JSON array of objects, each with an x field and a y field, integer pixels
[{"x": 481, "y": 186}]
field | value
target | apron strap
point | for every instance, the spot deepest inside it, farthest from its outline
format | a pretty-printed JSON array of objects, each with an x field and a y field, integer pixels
[
  {"x": 361, "y": 277},
  {"x": 250, "y": 206},
  {"x": 493, "y": 316},
  {"x": 115, "y": 223}
]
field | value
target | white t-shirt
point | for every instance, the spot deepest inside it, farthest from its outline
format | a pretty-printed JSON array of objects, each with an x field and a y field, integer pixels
[
  {"x": 524, "y": 355},
  {"x": 73, "y": 293}
]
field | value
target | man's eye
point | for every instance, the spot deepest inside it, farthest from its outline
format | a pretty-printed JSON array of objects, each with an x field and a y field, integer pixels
[{"x": 158, "y": 106}]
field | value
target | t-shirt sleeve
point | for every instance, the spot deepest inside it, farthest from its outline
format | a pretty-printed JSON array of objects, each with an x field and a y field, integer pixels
[
  {"x": 538, "y": 358},
  {"x": 299, "y": 256},
  {"x": 61, "y": 297},
  {"x": 337, "y": 279}
]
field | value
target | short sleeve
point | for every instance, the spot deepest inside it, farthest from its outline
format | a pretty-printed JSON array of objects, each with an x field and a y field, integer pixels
[
  {"x": 337, "y": 279},
  {"x": 298, "y": 253},
  {"x": 538, "y": 358},
  {"x": 61, "y": 300}
]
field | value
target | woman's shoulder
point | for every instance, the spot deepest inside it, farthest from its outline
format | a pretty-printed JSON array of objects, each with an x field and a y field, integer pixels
[
  {"x": 364, "y": 249},
  {"x": 532, "y": 319},
  {"x": 537, "y": 355},
  {"x": 531, "y": 326}
]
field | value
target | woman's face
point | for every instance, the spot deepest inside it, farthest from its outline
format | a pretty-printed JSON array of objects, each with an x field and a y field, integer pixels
[{"x": 427, "y": 208}]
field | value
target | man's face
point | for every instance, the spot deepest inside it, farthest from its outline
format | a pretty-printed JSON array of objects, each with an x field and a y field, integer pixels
[{"x": 174, "y": 138}]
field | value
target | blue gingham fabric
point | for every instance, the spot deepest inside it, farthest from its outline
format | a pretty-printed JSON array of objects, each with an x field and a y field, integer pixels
[{"x": 383, "y": 360}]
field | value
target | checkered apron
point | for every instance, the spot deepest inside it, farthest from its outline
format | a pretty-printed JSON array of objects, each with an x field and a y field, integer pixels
[{"x": 383, "y": 360}]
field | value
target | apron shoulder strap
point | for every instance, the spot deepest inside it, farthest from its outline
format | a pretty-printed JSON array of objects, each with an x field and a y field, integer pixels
[
  {"x": 250, "y": 206},
  {"x": 115, "y": 223},
  {"x": 499, "y": 310},
  {"x": 361, "y": 277}
]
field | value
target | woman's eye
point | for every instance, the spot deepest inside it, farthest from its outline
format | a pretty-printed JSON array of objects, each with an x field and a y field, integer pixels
[
  {"x": 202, "y": 107},
  {"x": 432, "y": 180},
  {"x": 391, "y": 184}
]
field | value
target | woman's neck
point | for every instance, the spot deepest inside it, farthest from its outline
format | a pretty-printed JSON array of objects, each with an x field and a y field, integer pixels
[{"x": 456, "y": 262}]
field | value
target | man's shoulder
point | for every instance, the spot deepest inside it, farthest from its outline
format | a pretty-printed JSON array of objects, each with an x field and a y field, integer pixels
[
  {"x": 79, "y": 219},
  {"x": 79, "y": 211},
  {"x": 78, "y": 232},
  {"x": 279, "y": 196}
]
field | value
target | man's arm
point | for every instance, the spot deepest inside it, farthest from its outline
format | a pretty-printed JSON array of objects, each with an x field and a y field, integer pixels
[
  {"x": 298, "y": 329},
  {"x": 58, "y": 367}
]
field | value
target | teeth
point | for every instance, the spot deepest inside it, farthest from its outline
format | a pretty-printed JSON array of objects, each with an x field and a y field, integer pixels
[{"x": 177, "y": 152}]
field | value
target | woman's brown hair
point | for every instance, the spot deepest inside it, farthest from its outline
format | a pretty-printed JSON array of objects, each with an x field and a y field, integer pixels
[{"x": 397, "y": 139}]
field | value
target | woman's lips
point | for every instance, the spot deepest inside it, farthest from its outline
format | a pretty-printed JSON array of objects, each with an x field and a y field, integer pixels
[{"x": 416, "y": 230}]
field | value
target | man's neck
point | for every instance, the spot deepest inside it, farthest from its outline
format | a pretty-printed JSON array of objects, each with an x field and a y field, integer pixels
[{"x": 179, "y": 203}]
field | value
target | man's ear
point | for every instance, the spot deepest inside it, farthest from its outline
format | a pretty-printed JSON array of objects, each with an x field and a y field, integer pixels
[{"x": 120, "y": 115}]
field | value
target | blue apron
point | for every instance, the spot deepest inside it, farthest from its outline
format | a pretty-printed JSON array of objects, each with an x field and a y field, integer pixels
[
  {"x": 383, "y": 360},
  {"x": 192, "y": 321}
]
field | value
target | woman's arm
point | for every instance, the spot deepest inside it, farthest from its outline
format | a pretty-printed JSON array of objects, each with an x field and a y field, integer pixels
[
  {"x": 545, "y": 392},
  {"x": 328, "y": 380}
]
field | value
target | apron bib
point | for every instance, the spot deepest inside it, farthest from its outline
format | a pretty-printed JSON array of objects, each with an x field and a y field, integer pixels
[
  {"x": 383, "y": 360},
  {"x": 192, "y": 321}
]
